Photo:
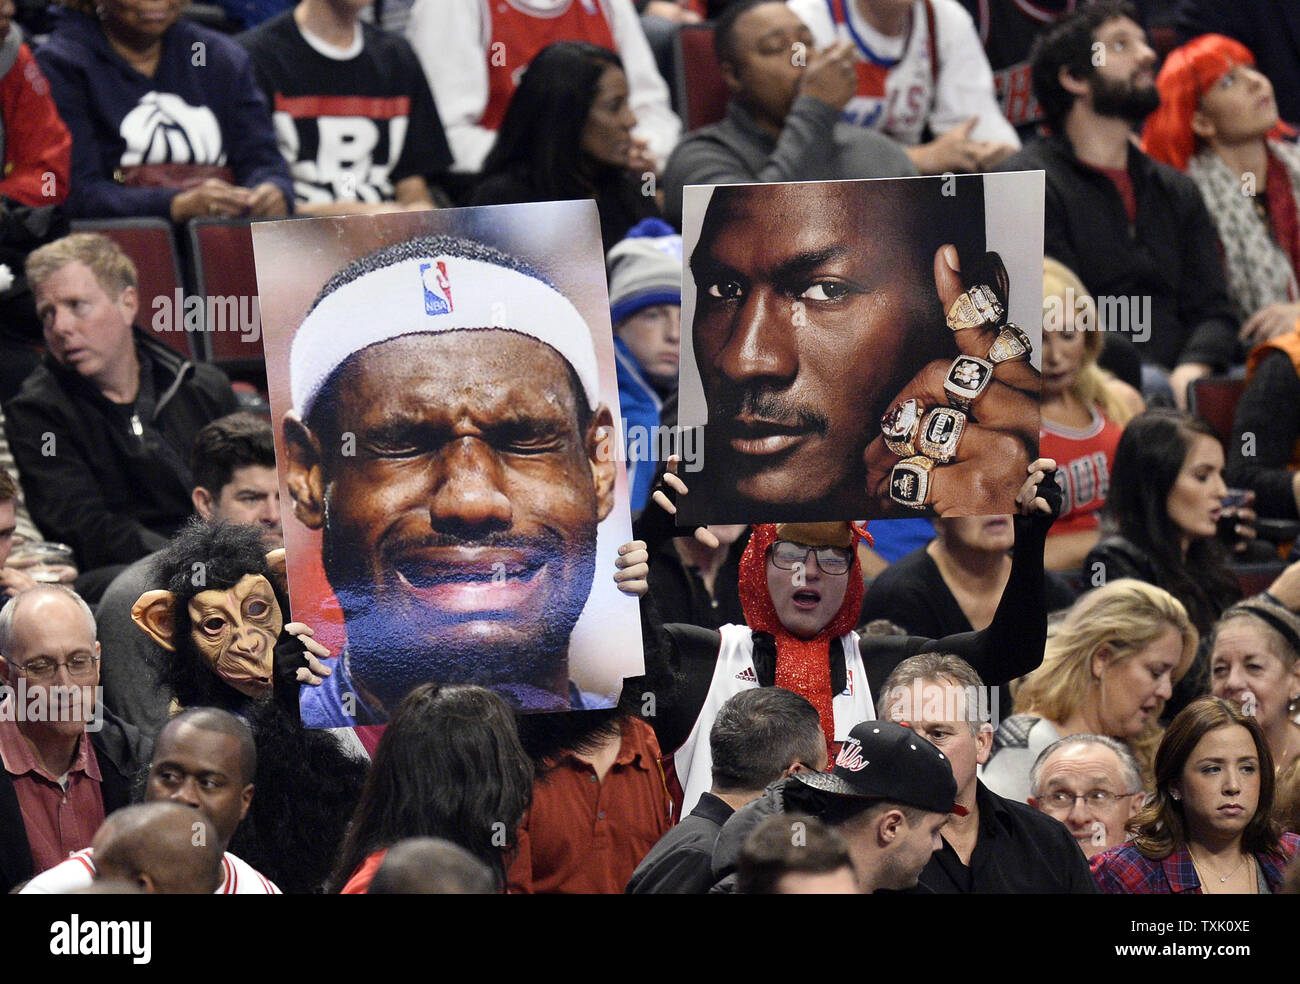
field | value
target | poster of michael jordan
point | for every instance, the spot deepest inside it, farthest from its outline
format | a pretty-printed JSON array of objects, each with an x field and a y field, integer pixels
[{"x": 862, "y": 349}]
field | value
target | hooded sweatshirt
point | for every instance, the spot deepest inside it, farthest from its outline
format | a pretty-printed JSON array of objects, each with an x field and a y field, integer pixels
[{"x": 202, "y": 106}]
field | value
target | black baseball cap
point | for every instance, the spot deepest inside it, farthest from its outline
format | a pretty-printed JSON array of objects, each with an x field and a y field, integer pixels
[{"x": 881, "y": 760}]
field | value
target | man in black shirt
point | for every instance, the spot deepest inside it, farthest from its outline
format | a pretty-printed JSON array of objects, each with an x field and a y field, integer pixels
[
  {"x": 998, "y": 846},
  {"x": 759, "y": 736},
  {"x": 1135, "y": 231},
  {"x": 352, "y": 110}
]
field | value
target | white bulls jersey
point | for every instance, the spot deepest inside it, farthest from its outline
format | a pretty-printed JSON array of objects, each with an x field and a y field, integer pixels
[
  {"x": 934, "y": 74},
  {"x": 238, "y": 877},
  {"x": 734, "y": 672}
]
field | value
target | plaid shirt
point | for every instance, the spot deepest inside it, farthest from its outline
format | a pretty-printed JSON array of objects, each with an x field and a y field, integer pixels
[{"x": 1123, "y": 870}]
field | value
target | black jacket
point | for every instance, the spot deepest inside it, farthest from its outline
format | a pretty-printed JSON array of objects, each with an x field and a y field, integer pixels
[
  {"x": 121, "y": 751},
  {"x": 1269, "y": 411},
  {"x": 1018, "y": 851},
  {"x": 113, "y": 481},
  {"x": 681, "y": 862},
  {"x": 1170, "y": 253},
  {"x": 731, "y": 838}
]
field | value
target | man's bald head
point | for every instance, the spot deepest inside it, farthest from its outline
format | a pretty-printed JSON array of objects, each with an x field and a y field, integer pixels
[
  {"x": 47, "y": 639},
  {"x": 40, "y": 602},
  {"x": 432, "y": 866},
  {"x": 165, "y": 848}
]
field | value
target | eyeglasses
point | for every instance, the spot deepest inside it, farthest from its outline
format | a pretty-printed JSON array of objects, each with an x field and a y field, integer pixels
[
  {"x": 1059, "y": 801},
  {"x": 832, "y": 560},
  {"x": 79, "y": 667}
]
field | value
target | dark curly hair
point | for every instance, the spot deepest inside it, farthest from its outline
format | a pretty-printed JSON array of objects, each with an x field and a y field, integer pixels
[
  {"x": 203, "y": 557},
  {"x": 1068, "y": 45}
]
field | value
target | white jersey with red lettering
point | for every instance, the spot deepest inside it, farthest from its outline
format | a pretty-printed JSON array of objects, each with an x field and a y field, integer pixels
[
  {"x": 238, "y": 877},
  {"x": 734, "y": 672},
  {"x": 934, "y": 74}
]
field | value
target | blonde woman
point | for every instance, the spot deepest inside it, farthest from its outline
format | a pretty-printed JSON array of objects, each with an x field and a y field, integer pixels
[
  {"x": 1108, "y": 669},
  {"x": 1084, "y": 410}
]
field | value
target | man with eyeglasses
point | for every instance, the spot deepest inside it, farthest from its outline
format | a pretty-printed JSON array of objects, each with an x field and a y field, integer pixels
[
  {"x": 800, "y": 588},
  {"x": 801, "y": 592},
  {"x": 67, "y": 761},
  {"x": 1092, "y": 784}
]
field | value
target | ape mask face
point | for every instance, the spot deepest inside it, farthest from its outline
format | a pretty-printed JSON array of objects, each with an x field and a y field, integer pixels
[{"x": 234, "y": 631}]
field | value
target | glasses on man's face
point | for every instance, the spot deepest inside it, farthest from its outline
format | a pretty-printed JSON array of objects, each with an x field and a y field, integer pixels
[
  {"x": 832, "y": 560},
  {"x": 80, "y": 667},
  {"x": 1094, "y": 800}
]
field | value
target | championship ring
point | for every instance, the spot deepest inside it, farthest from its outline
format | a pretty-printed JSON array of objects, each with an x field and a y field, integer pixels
[
  {"x": 968, "y": 377},
  {"x": 909, "y": 482},
  {"x": 975, "y": 308},
  {"x": 1011, "y": 343},
  {"x": 941, "y": 433},
  {"x": 899, "y": 427}
]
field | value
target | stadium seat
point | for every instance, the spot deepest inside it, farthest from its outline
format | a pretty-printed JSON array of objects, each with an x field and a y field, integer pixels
[
  {"x": 1214, "y": 400},
  {"x": 702, "y": 95},
  {"x": 221, "y": 252},
  {"x": 152, "y": 248}
]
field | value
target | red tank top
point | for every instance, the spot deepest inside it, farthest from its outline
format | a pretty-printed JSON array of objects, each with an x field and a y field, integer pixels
[
  {"x": 1084, "y": 458},
  {"x": 520, "y": 30}
]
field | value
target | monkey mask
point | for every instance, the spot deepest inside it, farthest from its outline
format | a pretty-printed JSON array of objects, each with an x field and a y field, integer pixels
[{"x": 233, "y": 630}]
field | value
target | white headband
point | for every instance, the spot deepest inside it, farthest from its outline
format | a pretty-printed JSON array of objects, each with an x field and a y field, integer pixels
[{"x": 434, "y": 294}]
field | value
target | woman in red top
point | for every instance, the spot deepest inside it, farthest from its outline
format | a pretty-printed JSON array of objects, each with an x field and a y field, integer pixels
[
  {"x": 1218, "y": 121},
  {"x": 1084, "y": 410},
  {"x": 1208, "y": 829},
  {"x": 449, "y": 765}
]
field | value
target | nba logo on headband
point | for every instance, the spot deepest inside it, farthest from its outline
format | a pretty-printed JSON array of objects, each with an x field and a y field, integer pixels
[{"x": 437, "y": 288}]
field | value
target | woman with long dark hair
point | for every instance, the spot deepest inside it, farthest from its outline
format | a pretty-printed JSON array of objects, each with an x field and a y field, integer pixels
[
  {"x": 449, "y": 765},
  {"x": 567, "y": 134},
  {"x": 1208, "y": 828}
]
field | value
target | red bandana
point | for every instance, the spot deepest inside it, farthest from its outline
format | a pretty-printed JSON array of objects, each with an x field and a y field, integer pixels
[{"x": 802, "y": 665}]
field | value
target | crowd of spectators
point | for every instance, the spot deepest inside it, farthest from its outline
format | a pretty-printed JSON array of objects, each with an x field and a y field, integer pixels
[{"x": 1091, "y": 695}]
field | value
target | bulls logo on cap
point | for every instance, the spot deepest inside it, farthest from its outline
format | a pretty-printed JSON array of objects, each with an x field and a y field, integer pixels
[{"x": 850, "y": 757}]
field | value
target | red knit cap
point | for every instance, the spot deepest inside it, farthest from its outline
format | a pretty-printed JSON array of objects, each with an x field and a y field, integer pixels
[{"x": 1188, "y": 73}]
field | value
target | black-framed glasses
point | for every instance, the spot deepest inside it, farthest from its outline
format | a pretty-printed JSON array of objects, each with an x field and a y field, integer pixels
[
  {"x": 43, "y": 670},
  {"x": 832, "y": 560},
  {"x": 1061, "y": 801}
]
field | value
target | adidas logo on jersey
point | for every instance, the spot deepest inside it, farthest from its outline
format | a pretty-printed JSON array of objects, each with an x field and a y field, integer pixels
[{"x": 748, "y": 675}]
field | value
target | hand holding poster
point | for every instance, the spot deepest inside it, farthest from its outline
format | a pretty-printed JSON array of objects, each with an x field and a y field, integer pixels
[
  {"x": 853, "y": 348},
  {"x": 446, "y": 388}
]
